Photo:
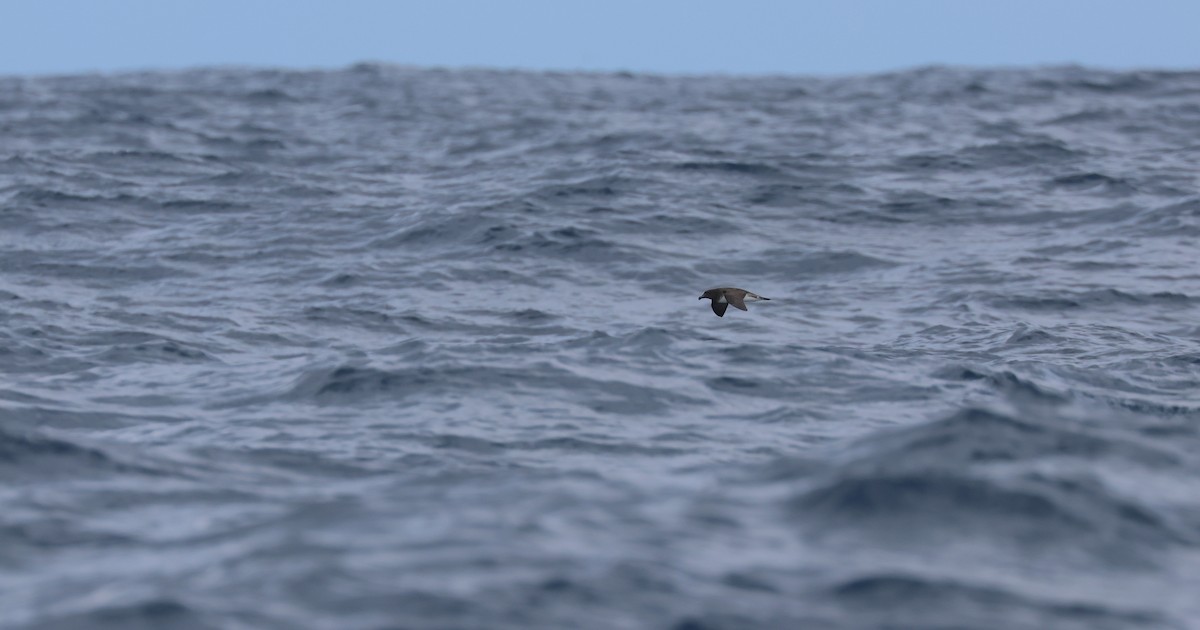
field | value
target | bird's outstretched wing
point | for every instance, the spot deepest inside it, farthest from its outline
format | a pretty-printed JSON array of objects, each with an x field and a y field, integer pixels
[
  {"x": 735, "y": 298},
  {"x": 719, "y": 308}
]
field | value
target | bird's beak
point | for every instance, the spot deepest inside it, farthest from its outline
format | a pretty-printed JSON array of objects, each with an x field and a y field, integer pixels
[{"x": 700, "y": 298}]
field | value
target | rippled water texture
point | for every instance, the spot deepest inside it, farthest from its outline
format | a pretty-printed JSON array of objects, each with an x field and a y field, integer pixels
[{"x": 397, "y": 348}]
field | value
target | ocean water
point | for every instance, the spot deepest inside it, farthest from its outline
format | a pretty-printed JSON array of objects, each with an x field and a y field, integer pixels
[{"x": 394, "y": 348}]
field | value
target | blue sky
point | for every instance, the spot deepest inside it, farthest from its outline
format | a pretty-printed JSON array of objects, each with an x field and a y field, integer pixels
[{"x": 667, "y": 36}]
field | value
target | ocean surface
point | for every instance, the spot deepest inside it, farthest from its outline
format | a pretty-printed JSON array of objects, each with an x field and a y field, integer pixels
[{"x": 396, "y": 348}]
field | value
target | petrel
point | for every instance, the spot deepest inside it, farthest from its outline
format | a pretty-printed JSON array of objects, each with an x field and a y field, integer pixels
[{"x": 724, "y": 296}]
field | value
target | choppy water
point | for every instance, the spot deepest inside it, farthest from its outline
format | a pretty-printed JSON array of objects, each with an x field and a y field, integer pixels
[{"x": 396, "y": 348}]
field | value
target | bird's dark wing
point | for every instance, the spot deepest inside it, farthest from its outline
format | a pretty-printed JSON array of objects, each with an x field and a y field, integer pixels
[
  {"x": 719, "y": 308},
  {"x": 735, "y": 298}
]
